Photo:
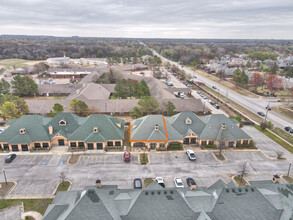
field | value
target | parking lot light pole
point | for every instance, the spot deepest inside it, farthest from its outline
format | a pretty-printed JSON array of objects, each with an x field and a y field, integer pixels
[
  {"x": 204, "y": 107},
  {"x": 289, "y": 170},
  {"x": 3, "y": 170}
]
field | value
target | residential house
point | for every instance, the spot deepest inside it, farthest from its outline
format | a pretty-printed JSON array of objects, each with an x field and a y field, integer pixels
[
  {"x": 158, "y": 132},
  {"x": 260, "y": 200},
  {"x": 96, "y": 131}
]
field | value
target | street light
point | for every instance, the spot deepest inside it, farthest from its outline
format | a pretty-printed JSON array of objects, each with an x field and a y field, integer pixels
[
  {"x": 204, "y": 107},
  {"x": 3, "y": 170},
  {"x": 289, "y": 170},
  {"x": 267, "y": 112}
]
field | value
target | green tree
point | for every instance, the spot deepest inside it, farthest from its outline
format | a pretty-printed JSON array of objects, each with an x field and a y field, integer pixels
[
  {"x": 21, "y": 107},
  {"x": 24, "y": 86},
  {"x": 148, "y": 104},
  {"x": 8, "y": 110},
  {"x": 240, "y": 78},
  {"x": 248, "y": 64},
  {"x": 56, "y": 109},
  {"x": 136, "y": 112},
  {"x": 274, "y": 68},
  {"x": 289, "y": 73},
  {"x": 78, "y": 107},
  {"x": 170, "y": 108},
  {"x": 4, "y": 86}
]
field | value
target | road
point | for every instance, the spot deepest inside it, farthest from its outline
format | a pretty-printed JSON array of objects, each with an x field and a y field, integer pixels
[{"x": 253, "y": 104}]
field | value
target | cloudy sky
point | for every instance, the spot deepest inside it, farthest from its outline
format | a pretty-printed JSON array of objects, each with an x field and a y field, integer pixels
[{"x": 260, "y": 19}]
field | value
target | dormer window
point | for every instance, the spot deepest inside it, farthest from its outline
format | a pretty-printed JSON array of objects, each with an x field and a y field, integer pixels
[
  {"x": 156, "y": 127},
  {"x": 118, "y": 125},
  {"x": 22, "y": 131},
  {"x": 95, "y": 130},
  {"x": 188, "y": 121},
  {"x": 62, "y": 122},
  {"x": 223, "y": 126}
]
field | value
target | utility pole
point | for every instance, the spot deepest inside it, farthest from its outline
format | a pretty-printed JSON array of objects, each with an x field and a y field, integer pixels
[
  {"x": 3, "y": 170},
  {"x": 289, "y": 170},
  {"x": 204, "y": 107},
  {"x": 226, "y": 97},
  {"x": 267, "y": 107}
]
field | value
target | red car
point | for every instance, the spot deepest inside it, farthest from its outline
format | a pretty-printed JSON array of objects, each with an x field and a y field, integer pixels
[{"x": 126, "y": 157}]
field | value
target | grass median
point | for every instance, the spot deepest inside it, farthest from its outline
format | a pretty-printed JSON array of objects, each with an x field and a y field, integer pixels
[
  {"x": 275, "y": 138},
  {"x": 63, "y": 186}
]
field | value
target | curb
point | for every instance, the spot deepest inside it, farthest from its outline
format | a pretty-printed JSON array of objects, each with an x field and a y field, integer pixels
[
  {"x": 213, "y": 153},
  {"x": 234, "y": 181},
  {"x": 73, "y": 164},
  {"x": 55, "y": 190}
]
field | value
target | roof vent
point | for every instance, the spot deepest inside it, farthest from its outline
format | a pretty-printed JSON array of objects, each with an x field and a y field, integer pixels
[
  {"x": 233, "y": 190},
  {"x": 171, "y": 191},
  {"x": 22, "y": 131},
  {"x": 246, "y": 190},
  {"x": 156, "y": 127},
  {"x": 223, "y": 126},
  {"x": 227, "y": 190},
  {"x": 159, "y": 193},
  {"x": 165, "y": 192},
  {"x": 146, "y": 193},
  {"x": 111, "y": 192},
  {"x": 95, "y": 130},
  {"x": 169, "y": 197},
  {"x": 252, "y": 189},
  {"x": 153, "y": 193},
  {"x": 240, "y": 190}
]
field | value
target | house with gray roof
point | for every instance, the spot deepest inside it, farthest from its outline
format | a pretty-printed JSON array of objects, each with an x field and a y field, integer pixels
[
  {"x": 158, "y": 131},
  {"x": 261, "y": 201},
  {"x": 97, "y": 131}
]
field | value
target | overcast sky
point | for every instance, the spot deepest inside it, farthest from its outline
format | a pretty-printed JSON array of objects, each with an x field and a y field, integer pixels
[{"x": 260, "y": 19}]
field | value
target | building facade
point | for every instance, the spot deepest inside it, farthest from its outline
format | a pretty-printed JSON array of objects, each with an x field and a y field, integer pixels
[
  {"x": 159, "y": 132},
  {"x": 30, "y": 132}
]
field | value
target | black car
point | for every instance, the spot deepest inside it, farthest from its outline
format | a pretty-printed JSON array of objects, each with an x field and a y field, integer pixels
[
  {"x": 288, "y": 128},
  {"x": 216, "y": 106},
  {"x": 190, "y": 182},
  {"x": 137, "y": 183},
  {"x": 261, "y": 114},
  {"x": 10, "y": 158}
]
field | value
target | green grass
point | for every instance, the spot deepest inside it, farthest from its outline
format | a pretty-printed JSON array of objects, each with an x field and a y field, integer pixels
[
  {"x": 148, "y": 181},
  {"x": 275, "y": 138},
  {"x": 240, "y": 181},
  {"x": 144, "y": 158},
  {"x": 63, "y": 186},
  {"x": 17, "y": 63},
  {"x": 38, "y": 205}
]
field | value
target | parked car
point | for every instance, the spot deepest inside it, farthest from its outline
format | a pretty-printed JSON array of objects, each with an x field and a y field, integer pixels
[
  {"x": 190, "y": 182},
  {"x": 160, "y": 181},
  {"x": 291, "y": 131},
  {"x": 178, "y": 183},
  {"x": 10, "y": 158},
  {"x": 261, "y": 113},
  {"x": 198, "y": 92},
  {"x": 137, "y": 184},
  {"x": 216, "y": 106},
  {"x": 214, "y": 87},
  {"x": 185, "y": 83},
  {"x": 126, "y": 156},
  {"x": 169, "y": 83},
  {"x": 191, "y": 155},
  {"x": 288, "y": 128}
]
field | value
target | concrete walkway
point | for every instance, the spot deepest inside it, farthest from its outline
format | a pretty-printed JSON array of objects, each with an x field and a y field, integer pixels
[{"x": 35, "y": 215}]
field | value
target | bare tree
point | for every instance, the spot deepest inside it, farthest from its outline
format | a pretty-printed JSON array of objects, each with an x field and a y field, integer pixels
[
  {"x": 279, "y": 154},
  {"x": 243, "y": 169},
  {"x": 62, "y": 177}
]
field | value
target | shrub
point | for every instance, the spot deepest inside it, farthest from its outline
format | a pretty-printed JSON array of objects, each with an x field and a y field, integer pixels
[
  {"x": 238, "y": 117},
  {"x": 210, "y": 146},
  {"x": 144, "y": 158},
  {"x": 177, "y": 146}
]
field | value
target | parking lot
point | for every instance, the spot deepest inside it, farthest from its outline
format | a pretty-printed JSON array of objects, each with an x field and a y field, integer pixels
[{"x": 40, "y": 174}]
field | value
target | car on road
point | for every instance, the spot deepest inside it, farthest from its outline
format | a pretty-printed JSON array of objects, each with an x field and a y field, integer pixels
[
  {"x": 190, "y": 182},
  {"x": 10, "y": 158},
  {"x": 178, "y": 183},
  {"x": 137, "y": 184},
  {"x": 214, "y": 87},
  {"x": 216, "y": 106},
  {"x": 191, "y": 155},
  {"x": 291, "y": 131},
  {"x": 195, "y": 77},
  {"x": 126, "y": 156},
  {"x": 268, "y": 108},
  {"x": 160, "y": 181},
  {"x": 261, "y": 113},
  {"x": 288, "y": 128},
  {"x": 198, "y": 92},
  {"x": 169, "y": 84}
]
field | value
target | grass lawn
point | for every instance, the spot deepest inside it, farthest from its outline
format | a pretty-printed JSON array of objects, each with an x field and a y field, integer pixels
[
  {"x": 144, "y": 158},
  {"x": 275, "y": 138},
  {"x": 239, "y": 181},
  {"x": 17, "y": 63},
  {"x": 63, "y": 186},
  {"x": 147, "y": 181},
  {"x": 4, "y": 190},
  {"x": 278, "y": 93},
  {"x": 288, "y": 179},
  {"x": 126, "y": 139},
  {"x": 73, "y": 159},
  {"x": 284, "y": 110},
  {"x": 38, "y": 205}
]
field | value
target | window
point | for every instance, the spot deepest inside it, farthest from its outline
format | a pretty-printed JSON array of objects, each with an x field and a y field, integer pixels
[
  {"x": 62, "y": 122},
  {"x": 72, "y": 144},
  {"x": 110, "y": 143},
  {"x": 117, "y": 143},
  {"x": 45, "y": 145},
  {"x": 37, "y": 145},
  {"x": 186, "y": 141},
  {"x": 22, "y": 130},
  {"x": 0, "y": 146},
  {"x": 211, "y": 143},
  {"x": 203, "y": 143},
  {"x": 6, "y": 147},
  {"x": 80, "y": 144},
  {"x": 14, "y": 147},
  {"x": 188, "y": 121},
  {"x": 90, "y": 146},
  {"x": 95, "y": 129},
  {"x": 245, "y": 142}
]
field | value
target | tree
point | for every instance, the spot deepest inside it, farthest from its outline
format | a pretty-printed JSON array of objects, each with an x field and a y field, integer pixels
[
  {"x": 136, "y": 112},
  {"x": 289, "y": 73},
  {"x": 56, "y": 109},
  {"x": 78, "y": 107},
  {"x": 279, "y": 154},
  {"x": 21, "y": 107},
  {"x": 170, "y": 108},
  {"x": 62, "y": 178},
  {"x": 24, "y": 86},
  {"x": 240, "y": 78},
  {"x": 243, "y": 169},
  {"x": 40, "y": 67},
  {"x": 221, "y": 74},
  {"x": 273, "y": 82},
  {"x": 248, "y": 64},
  {"x": 4, "y": 86},
  {"x": 257, "y": 80},
  {"x": 148, "y": 104},
  {"x": 274, "y": 68},
  {"x": 92, "y": 110},
  {"x": 8, "y": 110}
]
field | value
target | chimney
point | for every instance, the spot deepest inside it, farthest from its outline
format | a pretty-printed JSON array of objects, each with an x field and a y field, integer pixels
[
  {"x": 50, "y": 129},
  {"x": 98, "y": 183},
  {"x": 223, "y": 126}
]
